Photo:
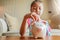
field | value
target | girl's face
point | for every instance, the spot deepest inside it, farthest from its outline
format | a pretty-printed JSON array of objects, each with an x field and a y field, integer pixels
[{"x": 37, "y": 8}]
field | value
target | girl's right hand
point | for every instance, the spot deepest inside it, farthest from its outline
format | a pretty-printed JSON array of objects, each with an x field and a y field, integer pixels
[
  {"x": 29, "y": 16},
  {"x": 32, "y": 15}
]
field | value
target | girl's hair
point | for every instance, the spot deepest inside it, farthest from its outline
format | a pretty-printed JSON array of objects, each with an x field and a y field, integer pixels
[{"x": 35, "y": 1}]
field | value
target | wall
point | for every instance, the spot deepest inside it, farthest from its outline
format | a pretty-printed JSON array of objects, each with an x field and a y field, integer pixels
[
  {"x": 45, "y": 12},
  {"x": 1, "y": 8}
]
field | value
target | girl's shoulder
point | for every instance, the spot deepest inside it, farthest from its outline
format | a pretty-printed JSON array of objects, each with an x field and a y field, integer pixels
[{"x": 27, "y": 14}]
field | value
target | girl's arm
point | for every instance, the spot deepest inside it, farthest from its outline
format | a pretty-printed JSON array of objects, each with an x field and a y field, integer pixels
[{"x": 23, "y": 26}]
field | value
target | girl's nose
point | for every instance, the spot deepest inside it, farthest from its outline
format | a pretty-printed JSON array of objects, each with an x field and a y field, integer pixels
[{"x": 37, "y": 9}]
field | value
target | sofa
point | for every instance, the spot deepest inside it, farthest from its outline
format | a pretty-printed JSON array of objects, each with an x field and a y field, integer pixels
[{"x": 9, "y": 26}]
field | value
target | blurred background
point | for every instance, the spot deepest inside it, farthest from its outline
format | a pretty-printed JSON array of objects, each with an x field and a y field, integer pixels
[{"x": 18, "y": 8}]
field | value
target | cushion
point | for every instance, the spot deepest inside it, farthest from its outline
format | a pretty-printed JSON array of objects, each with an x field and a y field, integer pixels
[
  {"x": 3, "y": 26},
  {"x": 12, "y": 22}
]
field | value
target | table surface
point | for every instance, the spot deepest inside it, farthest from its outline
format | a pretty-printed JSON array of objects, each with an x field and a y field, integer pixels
[{"x": 27, "y": 38}]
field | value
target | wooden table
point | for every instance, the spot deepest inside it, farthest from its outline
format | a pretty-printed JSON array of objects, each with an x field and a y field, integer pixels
[{"x": 27, "y": 38}]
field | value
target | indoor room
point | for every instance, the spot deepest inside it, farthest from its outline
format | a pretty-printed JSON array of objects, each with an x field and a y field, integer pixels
[{"x": 12, "y": 14}]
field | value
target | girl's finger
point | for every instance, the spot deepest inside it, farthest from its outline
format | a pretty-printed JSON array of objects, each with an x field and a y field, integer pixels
[{"x": 33, "y": 18}]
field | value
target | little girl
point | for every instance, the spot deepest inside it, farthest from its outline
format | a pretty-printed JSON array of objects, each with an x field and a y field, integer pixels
[{"x": 35, "y": 24}]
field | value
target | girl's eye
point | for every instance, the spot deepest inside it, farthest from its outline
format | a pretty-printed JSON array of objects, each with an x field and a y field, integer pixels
[
  {"x": 39, "y": 8},
  {"x": 34, "y": 7}
]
